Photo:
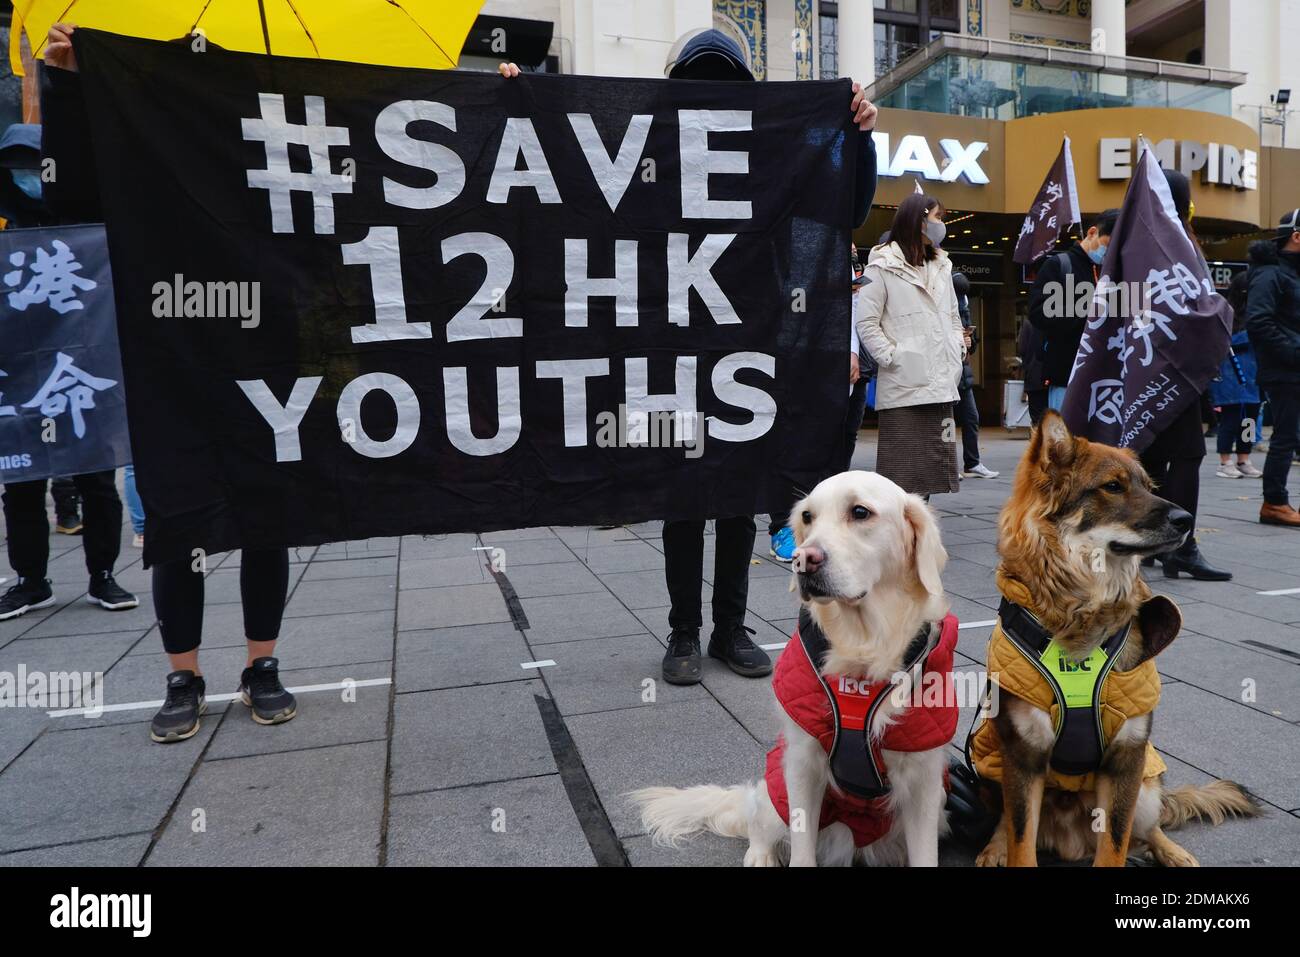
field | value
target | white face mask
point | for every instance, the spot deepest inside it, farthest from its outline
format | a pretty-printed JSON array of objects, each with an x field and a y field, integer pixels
[{"x": 936, "y": 231}]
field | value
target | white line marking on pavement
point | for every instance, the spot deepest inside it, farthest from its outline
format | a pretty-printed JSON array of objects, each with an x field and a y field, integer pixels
[
  {"x": 546, "y": 663},
  {"x": 146, "y": 705},
  {"x": 977, "y": 624},
  {"x": 776, "y": 647},
  {"x": 1280, "y": 591}
]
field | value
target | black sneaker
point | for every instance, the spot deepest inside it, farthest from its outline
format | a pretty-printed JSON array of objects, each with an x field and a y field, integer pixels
[
  {"x": 106, "y": 593},
  {"x": 260, "y": 690},
  {"x": 68, "y": 524},
  {"x": 178, "y": 718},
  {"x": 730, "y": 643},
  {"x": 682, "y": 661},
  {"x": 29, "y": 593}
]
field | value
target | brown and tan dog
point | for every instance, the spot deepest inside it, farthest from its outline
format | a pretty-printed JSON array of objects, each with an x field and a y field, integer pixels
[{"x": 1080, "y": 518}]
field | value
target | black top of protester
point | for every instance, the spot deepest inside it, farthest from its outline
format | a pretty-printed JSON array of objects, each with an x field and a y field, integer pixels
[{"x": 710, "y": 55}]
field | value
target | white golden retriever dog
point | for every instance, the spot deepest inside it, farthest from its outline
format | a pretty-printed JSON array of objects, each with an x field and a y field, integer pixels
[{"x": 867, "y": 569}]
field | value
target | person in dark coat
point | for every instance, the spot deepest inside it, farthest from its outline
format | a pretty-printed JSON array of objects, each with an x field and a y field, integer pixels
[
  {"x": 1031, "y": 348},
  {"x": 1273, "y": 325},
  {"x": 967, "y": 413}
]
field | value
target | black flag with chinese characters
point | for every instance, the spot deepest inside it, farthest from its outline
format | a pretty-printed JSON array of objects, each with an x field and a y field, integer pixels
[
  {"x": 360, "y": 301},
  {"x": 1055, "y": 207},
  {"x": 1156, "y": 331},
  {"x": 62, "y": 407}
]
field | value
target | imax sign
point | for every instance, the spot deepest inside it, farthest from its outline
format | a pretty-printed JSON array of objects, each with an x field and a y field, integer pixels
[
  {"x": 914, "y": 156},
  {"x": 1216, "y": 162}
]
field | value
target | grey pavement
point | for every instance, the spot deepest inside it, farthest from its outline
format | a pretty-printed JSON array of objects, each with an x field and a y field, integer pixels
[{"x": 453, "y": 715}]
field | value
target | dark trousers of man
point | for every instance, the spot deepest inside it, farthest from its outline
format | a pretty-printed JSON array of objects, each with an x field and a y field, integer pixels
[
  {"x": 29, "y": 527},
  {"x": 1284, "y": 401},
  {"x": 1037, "y": 401},
  {"x": 968, "y": 417},
  {"x": 67, "y": 503},
  {"x": 684, "y": 570},
  {"x": 1173, "y": 460},
  {"x": 852, "y": 426}
]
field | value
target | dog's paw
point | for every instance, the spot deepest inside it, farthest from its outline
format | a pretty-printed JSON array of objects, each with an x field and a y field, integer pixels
[
  {"x": 994, "y": 855},
  {"x": 1171, "y": 855},
  {"x": 756, "y": 856}
]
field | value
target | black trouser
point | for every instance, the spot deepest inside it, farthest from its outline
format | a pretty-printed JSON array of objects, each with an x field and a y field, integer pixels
[
  {"x": 66, "y": 501},
  {"x": 1173, "y": 460},
  {"x": 968, "y": 417},
  {"x": 178, "y": 598},
  {"x": 29, "y": 526},
  {"x": 1284, "y": 401},
  {"x": 852, "y": 425},
  {"x": 1037, "y": 400},
  {"x": 684, "y": 570}
]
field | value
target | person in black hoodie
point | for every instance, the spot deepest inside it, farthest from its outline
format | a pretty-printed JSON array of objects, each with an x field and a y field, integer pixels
[
  {"x": 712, "y": 55},
  {"x": 1052, "y": 303},
  {"x": 177, "y": 588},
  {"x": 1273, "y": 324}
]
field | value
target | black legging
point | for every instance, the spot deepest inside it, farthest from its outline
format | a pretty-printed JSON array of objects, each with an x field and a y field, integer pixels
[{"x": 178, "y": 598}]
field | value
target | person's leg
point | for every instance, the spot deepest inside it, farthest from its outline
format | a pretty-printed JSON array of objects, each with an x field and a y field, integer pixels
[
  {"x": 263, "y": 585},
  {"x": 1037, "y": 402},
  {"x": 28, "y": 528},
  {"x": 1246, "y": 434},
  {"x": 1184, "y": 444},
  {"x": 1229, "y": 427},
  {"x": 67, "y": 506},
  {"x": 178, "y": 603},
  {"x": 101, "y": 538},
  {"x": 853, "y": 421},
  {"x": 134, "y": 507},
  {"x": 1284, "y": 403},
  {"x": 1056, "y": 397},
  {"x": 684, "y": 573},
  {"x": 28, "y": 531},
  {"x": 730, "y": 641},
  {"x": 968, "y": 416}
]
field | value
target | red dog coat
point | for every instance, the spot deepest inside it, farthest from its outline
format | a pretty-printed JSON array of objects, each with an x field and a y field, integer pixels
[{"x": 837, "y": 711}]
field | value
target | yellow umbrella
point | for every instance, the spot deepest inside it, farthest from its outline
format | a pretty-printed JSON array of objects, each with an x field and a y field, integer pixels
[{"x": 420, "y": 33}]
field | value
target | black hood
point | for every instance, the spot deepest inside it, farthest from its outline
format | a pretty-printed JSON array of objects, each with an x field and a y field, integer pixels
[
  {"x": 1264, "y": 252},
  {"x": 709, "y": 55}
]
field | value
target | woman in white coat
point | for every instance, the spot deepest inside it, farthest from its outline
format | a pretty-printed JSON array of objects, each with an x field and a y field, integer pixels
[{"x": 908, "y": 320}]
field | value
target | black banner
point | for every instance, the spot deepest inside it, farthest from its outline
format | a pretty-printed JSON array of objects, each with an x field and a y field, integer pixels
[
  {"x": 62, "y": 409},
  {"x": 1157, "y": 330},
  {"x": 361, "y": 301},
  {"x": 1055, "y": 207}
]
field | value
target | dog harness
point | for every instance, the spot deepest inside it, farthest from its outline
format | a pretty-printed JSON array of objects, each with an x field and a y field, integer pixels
[
  {"x": 1088, "y": 701},
  {"x": 838, "y": 711}
]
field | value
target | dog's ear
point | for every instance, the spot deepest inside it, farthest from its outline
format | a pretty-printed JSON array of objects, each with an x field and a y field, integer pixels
[
  {"x": 1160, "y": 621},
  {"x": 928, "y": 553},
  {"x": 1052, "y": 446}
]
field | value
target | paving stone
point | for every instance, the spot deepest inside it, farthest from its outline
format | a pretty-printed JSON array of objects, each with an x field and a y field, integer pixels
[
  {"x": 1224, "y": 668},
  {"x": 591, "y": 676},
  {"x": 625, "y": 557},
  {"x": 318, "y": 807},
  {"x": 446, "y": 607},
  {"x": 678, "y": 745},
  {"x": 557, "y": 578},
  {"x": 534, "y": 551},
  {"x": 437, "y": 546},
  {"x": 462, "y": 736},
  {"x": 642, "y": 589},
  {"x": 536, "y": 827},
  {"x": 1230, "y": 740},
  {"x": 704, "y": 850},
  {"x": 559, "y": 618},
  {"x": 341, "y": 597},
  {"x": 123, "y": 851},
  {"x": 324, "y": 717},
  {"x": 1230, "y": 625},
  {"x": 76, "y": 616},
  {"x": 468, "y": 569},
  {"x": 47, "y": 799},
  {"x": 465, "y": 655},
  {"x": 538, "y": 533},
  {"x": 351, "y": 568}
]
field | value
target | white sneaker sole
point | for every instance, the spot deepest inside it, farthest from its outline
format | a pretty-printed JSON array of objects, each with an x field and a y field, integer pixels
[
  {"x": 784, "y": 561},
  {"x": 26, "y": 608},
  {"x": 111, "y": 606}
]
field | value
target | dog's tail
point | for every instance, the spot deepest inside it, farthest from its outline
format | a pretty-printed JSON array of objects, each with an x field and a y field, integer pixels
[
  {"x": 671, "y": 814},
  {"x": 1214, "y": 802}
]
